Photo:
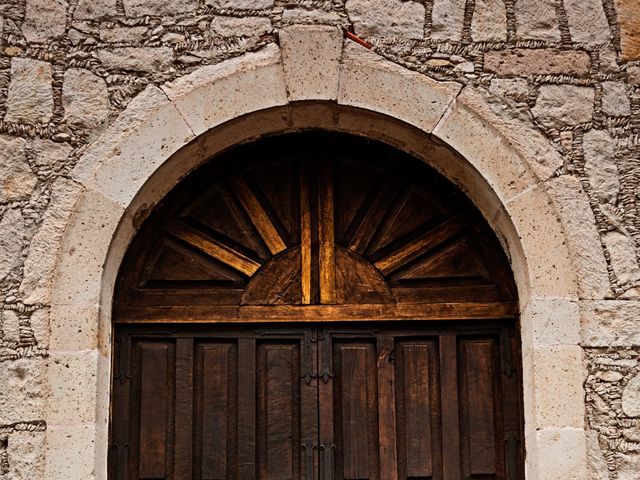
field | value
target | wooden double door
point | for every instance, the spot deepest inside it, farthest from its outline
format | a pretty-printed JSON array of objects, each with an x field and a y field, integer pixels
[{"x": 317, "y": 401}]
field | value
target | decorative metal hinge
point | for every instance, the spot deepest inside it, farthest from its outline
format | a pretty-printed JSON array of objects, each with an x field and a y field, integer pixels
[
  {"x": 506, "y": 356},
  {"x": 511, "y": 453},
  {"x": 326, "y": 461},
  {"x": 122, "y": 360},
  {"x": 309, "y": 447}
]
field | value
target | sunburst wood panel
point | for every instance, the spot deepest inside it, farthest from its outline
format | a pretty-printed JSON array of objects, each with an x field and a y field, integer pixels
[{"x": 318, "y": 220}]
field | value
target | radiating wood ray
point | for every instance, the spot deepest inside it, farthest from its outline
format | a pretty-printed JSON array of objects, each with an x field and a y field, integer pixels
[
  {"x": 368, "y": 219},
  {"x": 428, "y": 240},
  {"x": 258, "y": 215},
  {"x": 212, "y": 247}
]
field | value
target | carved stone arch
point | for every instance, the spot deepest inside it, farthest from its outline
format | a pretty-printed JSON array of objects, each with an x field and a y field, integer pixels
[{"x": 165, "y": 133}]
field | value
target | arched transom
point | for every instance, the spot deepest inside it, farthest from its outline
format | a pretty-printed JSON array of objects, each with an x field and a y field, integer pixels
[{"x": 314, "y": 226}]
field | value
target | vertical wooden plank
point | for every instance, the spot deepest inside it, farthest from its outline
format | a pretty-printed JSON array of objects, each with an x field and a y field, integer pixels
[
  {"x": 353, "y": 377},
  {"x": 326, "y": 234},
  {"x": 153, "y": 410},
  {"x": 247, "y": 408},
  {"x": 305, "y": 235},
  {"x": 278, "y": 401},
  {"x": 449, "y": 405},
  {"x": 387, "y": 409},
  {"x": 417, "y": 396},
  {"x": 184, "y": 410},
  {"x": 215, "y": 400},
  {"x": 479, "y": 371}
]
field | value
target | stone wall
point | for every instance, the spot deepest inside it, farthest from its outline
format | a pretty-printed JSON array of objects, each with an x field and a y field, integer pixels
[{"x": 570, "y": 68}]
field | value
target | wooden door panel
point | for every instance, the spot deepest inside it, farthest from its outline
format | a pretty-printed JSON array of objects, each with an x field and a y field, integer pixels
[
  {"x": 151, "y": 428},
  {"x": 215, "y": 417},
  {"x": 479, "y": 385},
  {"x": 418, "y": 409},
  {"x": 355, "y": 410},
  {"x": 278, "y": 411}
]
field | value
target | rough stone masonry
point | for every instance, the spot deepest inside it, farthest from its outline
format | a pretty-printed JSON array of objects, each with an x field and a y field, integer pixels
[{"x": 571, "y": 68}]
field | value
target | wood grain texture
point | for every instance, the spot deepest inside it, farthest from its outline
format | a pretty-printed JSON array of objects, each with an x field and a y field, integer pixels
[
  {"x": 326, "y": 235},
  {"x": 258, "y": 215},
  {"x": 305, "y": 237},
  {"x": 214, "y": 248},
  {"x": 423, "y": 243},
  {"x": 314, "y": 313}
]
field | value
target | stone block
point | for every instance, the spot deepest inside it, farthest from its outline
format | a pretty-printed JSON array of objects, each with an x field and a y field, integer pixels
[
  {"x": 71, "y": 452},
  {"x": 516, "y": 89},
  {"x": 311, "y": 57},
  {"x": 30, "y": 96},
  {"x": 615, "y": 101},
  {"x": 10, "y": 321},
  {"x": 546, "y": 61},
  {"x": 85, "y": 98},
  {"x": 610, "y": 323},
  {"x": 550, "y": 272},
  {"x": 26, "y": 451},
  {"x": 552, "y": 322},
  {"x": 304, "y": 16},
  {"x": 489, "y": 23},
  {"x": 561, "y": 454},
  {"x": 158, "y": 8},
  {"x": 387, "y": 18},
  {"x": 39, "y": 321},
  {"x": 631, "y": 398},
  {"x": 72, "y": 378},
  {"x": 537, "y": 20},
  {"x": 46, "y": 153},
  {"x": 75, "y": 327},
  {"x": 559, "y": 396},
  {"x": 153, "y": 130},
  {"x": 224, "y": 26},
  {"x": 12, "y": 226},
  {"x": 622, "y": 251},
  {"x": 43, "y": 250},
  {"x": 124, "y": 34},
  {"x": 44, "y": 20},
  {"x": 240, "y": 4},
  {"x": 94, "y": 9},
  {"x": 587, "y": 21},
  {"x": 599, "y": 149},
  {"x": 447, "y": 18},
  {"x": 17, "y": 181},
  {"x": 561, "y": 106},
  {"x": 583, "y": 239},
  {"x": 83, "y": 249},
  {"x": 255, "y": 81},
  {"x": 23, "y": 392},
  {"x": 628, "y": 14},
  {"x": 417, "y": 99},
  {"x": 137, "y": 59}
]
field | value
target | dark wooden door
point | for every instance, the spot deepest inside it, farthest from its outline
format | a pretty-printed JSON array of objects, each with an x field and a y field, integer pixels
[
  {"x": 315, "y": 307},
  {"x": 328, "y": 402}
]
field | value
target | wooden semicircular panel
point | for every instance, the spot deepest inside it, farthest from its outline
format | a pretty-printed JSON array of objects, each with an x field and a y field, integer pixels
[{"x": 314, "y": 226}]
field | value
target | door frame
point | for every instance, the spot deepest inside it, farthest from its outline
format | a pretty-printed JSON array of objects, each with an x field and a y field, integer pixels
[{"x": 114, "y": 194}]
